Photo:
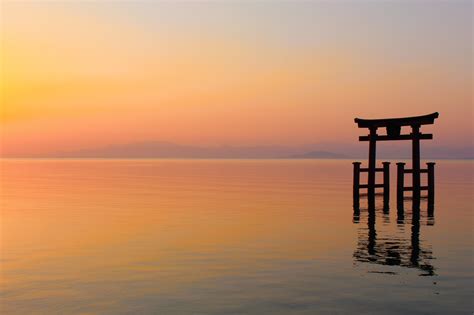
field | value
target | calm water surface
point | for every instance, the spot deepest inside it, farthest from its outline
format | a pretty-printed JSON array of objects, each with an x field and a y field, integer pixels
[{"x": 226, "y": 237}]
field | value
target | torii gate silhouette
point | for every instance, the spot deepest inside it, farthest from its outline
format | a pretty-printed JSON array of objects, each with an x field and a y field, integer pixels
[{"x": 393, "y": 127}]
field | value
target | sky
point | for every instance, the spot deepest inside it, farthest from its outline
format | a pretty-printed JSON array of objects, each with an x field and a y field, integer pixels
[{"x": 87, "y": 74}]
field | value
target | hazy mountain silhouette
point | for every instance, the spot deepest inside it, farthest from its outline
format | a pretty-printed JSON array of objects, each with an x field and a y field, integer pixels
[
  {"x": 319, "y": 155},
  {"x": 163, "y": 149},
  {"x": 158, "y": 149}
]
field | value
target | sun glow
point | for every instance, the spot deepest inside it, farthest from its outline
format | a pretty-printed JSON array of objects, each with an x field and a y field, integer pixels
[{"x": 81, "y": 75}]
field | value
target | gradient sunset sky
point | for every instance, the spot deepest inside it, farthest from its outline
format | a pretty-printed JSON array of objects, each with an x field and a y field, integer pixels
[{"x": 84, "y": 74}]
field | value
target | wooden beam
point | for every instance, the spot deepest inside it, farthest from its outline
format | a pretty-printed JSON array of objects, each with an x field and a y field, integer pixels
[
  {"x": 386, "y": 185},
  {"x": 365, "y": 169},
  {"x": 431, "y": 186},
  {"x": 411, "y": 188},
  {"x": 415, "y": 162},
  {"x": 422, "y": 136},
  {"x": 356, "y": 195},
  {"x": 404, "y": 121},
  {"x": 409, "y": 171},
  {"x": 400, "y": 184},
  {"x": 372, "y": 164},
  {"x": 375, "y": 186}
]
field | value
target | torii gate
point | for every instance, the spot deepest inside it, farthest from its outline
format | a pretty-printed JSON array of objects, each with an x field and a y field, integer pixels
[{"x": 393, "y": 127}]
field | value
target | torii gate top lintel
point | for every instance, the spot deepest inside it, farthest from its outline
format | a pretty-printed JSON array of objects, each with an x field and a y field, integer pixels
[
  {"x": 405, "y": 121},
  {"x": 393, "y": 126}
]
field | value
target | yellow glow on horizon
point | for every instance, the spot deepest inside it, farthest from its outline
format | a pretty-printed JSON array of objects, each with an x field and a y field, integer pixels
[{"x": 71, "y": 79}]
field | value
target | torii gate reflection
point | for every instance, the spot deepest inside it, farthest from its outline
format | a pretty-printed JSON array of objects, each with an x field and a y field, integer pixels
[
  {"x": 393, "y": 127},
  {"x": 393, "y": 248}
]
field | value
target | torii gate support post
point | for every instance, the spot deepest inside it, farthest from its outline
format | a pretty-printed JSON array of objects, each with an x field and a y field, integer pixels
[
  {"x": 416, "y": 166},
  {"x": 386, "y": 185},
  {"x": 431, "y": 187},
  {"x": 356, "y": 184},
  {"x": 372, "y": 163},
  {"x": 400, "y": 185}
]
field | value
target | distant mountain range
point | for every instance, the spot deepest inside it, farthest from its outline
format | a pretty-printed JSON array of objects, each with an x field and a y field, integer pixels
[
  {"x": 158, "y": 149},
  {"x": 319, "y": 155},
  {"x": 356, "y": 150}
]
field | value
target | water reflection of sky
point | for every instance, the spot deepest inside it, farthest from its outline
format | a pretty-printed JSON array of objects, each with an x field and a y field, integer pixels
[{"x": 215, "y": 237}]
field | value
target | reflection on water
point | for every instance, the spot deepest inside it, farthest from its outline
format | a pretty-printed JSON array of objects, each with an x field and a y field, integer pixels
[
  {"x": 225, "y": 237},
  {"x": 395, "y": 249}
]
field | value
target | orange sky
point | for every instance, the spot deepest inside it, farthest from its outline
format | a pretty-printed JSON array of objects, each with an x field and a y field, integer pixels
[{"x": 80, "y": 75}]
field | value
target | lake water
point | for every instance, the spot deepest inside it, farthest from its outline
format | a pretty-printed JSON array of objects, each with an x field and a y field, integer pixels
[{"x": 227, "y": 237}]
